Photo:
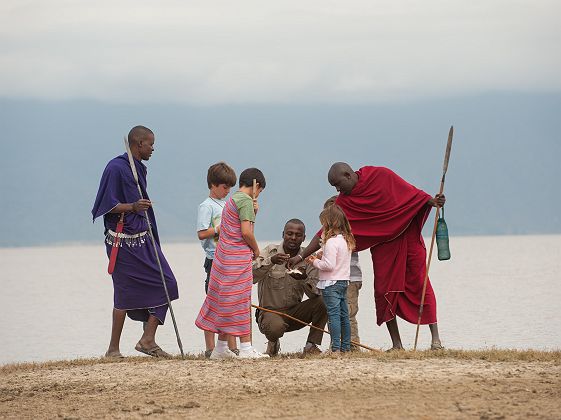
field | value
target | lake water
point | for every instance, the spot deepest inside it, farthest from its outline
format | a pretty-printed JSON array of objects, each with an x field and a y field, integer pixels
[{"x": 502, "y": 291}]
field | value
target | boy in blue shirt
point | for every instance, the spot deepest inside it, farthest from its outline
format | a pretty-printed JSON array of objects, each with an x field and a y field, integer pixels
[{"x": 220, "y": 178}]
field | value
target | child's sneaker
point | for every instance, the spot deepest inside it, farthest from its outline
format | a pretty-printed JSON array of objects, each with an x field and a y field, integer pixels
[
  {"x": 251, "y": 354},
  {"x": 222, "y": 354}
]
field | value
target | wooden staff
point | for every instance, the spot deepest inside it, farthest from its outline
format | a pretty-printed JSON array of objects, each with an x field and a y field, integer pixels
[
  {"x": 444, "y": 169},
  {"x": 309, "y": 325},
  {"x": 135, "y": 175},
  {"x": 253, "y": 192}
]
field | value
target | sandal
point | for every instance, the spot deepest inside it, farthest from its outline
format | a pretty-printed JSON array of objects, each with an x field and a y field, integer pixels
[
  {"x": 155, "y": 351},
  {"x": 116, "y": 355}
]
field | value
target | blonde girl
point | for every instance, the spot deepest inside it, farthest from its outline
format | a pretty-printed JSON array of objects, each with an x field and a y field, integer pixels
[{"x": 334, "y": 264}]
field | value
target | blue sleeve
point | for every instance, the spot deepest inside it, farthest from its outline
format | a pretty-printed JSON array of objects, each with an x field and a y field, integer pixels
[{"x": 204, "y": 217}]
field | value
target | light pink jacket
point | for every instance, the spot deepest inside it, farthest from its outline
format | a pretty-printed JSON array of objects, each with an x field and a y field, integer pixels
[{"x": 335, "y": 263}]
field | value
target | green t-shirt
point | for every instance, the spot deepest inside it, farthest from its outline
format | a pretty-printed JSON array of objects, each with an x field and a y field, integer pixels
[{"x": 244, "y": 203}]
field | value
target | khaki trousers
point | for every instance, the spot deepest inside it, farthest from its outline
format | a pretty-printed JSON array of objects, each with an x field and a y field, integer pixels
[
  {"x": 352, "y": 301},
  {"x": 313, "y": 310}
]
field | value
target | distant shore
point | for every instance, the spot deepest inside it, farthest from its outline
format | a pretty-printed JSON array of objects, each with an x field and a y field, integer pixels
[{"x": 487, "y": 384}]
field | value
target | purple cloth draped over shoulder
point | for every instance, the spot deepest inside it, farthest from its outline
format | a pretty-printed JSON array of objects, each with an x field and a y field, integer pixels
[{"x": 137, "y": 283}]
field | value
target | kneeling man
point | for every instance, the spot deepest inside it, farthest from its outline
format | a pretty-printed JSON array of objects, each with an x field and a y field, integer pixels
[{"x": 283, "y": 292}]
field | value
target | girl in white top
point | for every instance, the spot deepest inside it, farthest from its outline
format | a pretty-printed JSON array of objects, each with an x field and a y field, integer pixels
[{"x": 334, "y": 274}]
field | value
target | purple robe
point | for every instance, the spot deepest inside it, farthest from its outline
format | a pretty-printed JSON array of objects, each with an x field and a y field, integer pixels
[{"x": 137, "y": 283}]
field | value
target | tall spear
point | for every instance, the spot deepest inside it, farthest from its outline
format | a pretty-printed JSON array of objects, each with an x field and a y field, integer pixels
[
  {"x": 444, "y": 169},
  {"x": 135, "y": 175}
]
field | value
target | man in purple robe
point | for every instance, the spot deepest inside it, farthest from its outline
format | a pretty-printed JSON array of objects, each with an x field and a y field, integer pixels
[{"x": 138, "y": 289}]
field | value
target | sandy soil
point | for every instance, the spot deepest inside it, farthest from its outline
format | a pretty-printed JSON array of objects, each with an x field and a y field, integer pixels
[{"x": 357, "y": 386}]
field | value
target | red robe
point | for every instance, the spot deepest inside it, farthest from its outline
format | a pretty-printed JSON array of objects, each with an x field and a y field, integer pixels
[{"x": 387, "y": 215}]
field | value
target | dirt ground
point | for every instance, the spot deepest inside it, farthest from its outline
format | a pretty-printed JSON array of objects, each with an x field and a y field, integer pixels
[{"x": 450, "y": 385}]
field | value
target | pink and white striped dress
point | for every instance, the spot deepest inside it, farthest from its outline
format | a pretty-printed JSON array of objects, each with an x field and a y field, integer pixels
[{"x": 226, "y": 307}]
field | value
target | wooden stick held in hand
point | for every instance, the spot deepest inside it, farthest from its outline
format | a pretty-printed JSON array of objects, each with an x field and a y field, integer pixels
[{"x": 444, "y": 169}]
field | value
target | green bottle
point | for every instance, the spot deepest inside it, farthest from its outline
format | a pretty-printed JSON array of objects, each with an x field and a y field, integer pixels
[{"x": 442, "y": 242}]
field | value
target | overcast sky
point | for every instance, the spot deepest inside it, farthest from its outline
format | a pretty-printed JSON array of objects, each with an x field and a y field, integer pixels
[{"x": 289, "y": 51}]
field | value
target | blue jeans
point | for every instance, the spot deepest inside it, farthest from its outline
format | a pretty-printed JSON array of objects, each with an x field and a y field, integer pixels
[{"x": 335, "y": 299}]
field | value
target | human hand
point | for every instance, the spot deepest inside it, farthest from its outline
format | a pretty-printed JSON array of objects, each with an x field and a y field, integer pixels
[
  {"x": 141, "y": 205},
  {"x": 311, "y": 259},
  {"x": 297, "y": 259},
  {"x": 280, "y": 258},
  {"x": 319, "y": 254},
  {"x": 255, "y": 254},
  {"x": 438, "y": 200},
  {"x": 255, "y": 205}
]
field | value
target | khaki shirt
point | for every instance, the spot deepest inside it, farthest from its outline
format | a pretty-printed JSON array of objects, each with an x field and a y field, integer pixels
[{"x": 275, "y": 288}]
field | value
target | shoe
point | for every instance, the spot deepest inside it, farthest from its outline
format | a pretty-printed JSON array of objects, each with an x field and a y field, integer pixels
[
  {"x": 208, "y": 353},
  {"x": 224, "y": 354},
  {"x": 235, "y": 351},
  {"x": 252, "y": 354},
  {"x": 273, "y": 348},
  {"x": 311, "y": 349}
]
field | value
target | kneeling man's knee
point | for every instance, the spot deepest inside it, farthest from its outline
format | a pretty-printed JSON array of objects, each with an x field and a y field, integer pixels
[{"x": 272, "y": 325}]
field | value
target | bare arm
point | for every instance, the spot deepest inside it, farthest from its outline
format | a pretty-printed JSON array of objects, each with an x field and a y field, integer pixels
[
  {"x": 136, "y": 207},
  {"x": 249, "y": 237},
  {"x": 312, "y": 247},
  {"x": 208, "y": 233}
]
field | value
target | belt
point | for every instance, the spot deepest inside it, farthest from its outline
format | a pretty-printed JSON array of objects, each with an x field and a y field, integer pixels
[{"x": 137, "y": 239}]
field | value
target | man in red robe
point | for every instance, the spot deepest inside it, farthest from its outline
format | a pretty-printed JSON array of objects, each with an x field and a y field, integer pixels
[{"x": 387, "y": 215}]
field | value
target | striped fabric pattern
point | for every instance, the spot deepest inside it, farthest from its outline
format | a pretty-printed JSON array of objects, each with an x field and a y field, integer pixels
[{"x": 226, "y": 308}]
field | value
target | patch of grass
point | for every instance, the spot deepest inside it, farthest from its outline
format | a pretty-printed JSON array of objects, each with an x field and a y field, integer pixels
[
  {"x": 63, "y": 364},
  {"x": 489, "y": 355}
]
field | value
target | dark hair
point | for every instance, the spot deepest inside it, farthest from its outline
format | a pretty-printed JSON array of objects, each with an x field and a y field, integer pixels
[
  {"x": 220, "y": 173},
  {"x": 138, "y": 133},
  {"x": 250, "y": 174},
  {"x": 295, "y": 222}
]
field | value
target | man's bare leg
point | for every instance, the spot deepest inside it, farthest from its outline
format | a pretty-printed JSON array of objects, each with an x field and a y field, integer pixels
[
  {"x": 147, "y": 343},
  {"x": 148, "y": 339},
  {"x": 116, "y": 330},
  {"x": 394, "y": 334},
  {"x": 435, "y": 341}
]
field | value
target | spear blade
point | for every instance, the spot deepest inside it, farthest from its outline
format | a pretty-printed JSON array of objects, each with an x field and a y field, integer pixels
[{"x": 448, "y": 149}]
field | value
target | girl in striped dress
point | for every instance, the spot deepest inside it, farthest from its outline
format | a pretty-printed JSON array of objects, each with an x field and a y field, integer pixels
[{"x": 227, "y": 307}]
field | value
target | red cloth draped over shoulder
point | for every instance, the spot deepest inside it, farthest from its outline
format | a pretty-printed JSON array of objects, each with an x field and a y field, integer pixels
[
  {"x": 387, "y": 215},
  {"x": 381, "y": 206}
]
